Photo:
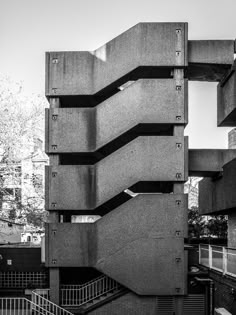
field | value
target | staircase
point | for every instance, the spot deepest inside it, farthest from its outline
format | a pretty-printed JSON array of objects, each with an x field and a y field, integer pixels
[
  {"x": 23, "y": 306},
  {"x": 81, "y": 299},
  {"x": 48, "y": 307}
]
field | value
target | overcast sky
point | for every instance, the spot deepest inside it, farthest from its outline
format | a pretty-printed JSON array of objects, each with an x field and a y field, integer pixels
[{"x": 28, "y": 28}]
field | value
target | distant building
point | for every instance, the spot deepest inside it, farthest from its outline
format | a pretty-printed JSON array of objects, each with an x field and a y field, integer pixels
[
  {"x": 10, "y": 232},
  {"x": 232, "y": 139},
  {"x": 22, "y": 183}
]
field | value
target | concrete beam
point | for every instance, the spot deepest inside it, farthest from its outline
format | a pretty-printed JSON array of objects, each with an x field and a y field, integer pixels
[
  {"x": 135, "y": 245},
  {"x": 144, "y": 45},
  {"x": 88, "y": 129},
  {"x": 218, "y": 194},
  {"x": 226, "y": 100},
  {"x": 208, "y": 162},
  {"x": 209, "y": 60},
  {"x": 80, "y": 187},
  {"x": 218, "y": 52}
]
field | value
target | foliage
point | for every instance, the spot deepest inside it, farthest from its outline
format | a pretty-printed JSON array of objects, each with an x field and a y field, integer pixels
[
  {"x": 196, "y": 223},
  {"x": 202, "y": 226},
  {"x": 217, "y": 226},
  {"x": 21, "y": 137}
]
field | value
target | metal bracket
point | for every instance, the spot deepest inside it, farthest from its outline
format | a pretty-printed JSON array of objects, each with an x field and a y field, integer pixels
[
  {"x": 178, "y": 145},
  {"x": 178, "y": 45},
  {"x": 178, "y": 175}
]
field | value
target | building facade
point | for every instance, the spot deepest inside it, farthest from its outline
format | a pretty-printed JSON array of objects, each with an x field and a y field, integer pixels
[{"x": 116, "y": 123}]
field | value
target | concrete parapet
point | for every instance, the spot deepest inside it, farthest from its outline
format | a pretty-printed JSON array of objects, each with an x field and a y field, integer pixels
[
  {"x": 88, "y": 129},
  {"x": 145, "y": 44},
  {"x": 82, "y": 187},
  {"x": 135, "y": 244}
]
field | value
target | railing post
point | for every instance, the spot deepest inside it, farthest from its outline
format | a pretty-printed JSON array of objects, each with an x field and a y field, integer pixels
[
  {"x": 210, "y": 256},
  {"x": 199, "y": 254},
  {"x": 224, "y": 260}
]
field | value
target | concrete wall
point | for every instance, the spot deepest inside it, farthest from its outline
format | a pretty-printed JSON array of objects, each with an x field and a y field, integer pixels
[
  {"x": 226, "y": 109},
  {"x": 135, "y": 245},
  {"x": 77, "y": 187},
  {"x": 218, "y": 194},
  {"x": 21, "y": 259},
  {"x": 88, "y": 129},
  {"x": 86, "y": 73},
  {"x": 133, "y": 304}
]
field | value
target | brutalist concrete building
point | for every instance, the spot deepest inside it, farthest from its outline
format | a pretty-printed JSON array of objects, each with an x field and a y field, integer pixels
[{"x": 115, "y": 138}]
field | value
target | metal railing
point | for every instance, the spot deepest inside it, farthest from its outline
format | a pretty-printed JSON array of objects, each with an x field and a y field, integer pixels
[
  {"x": 70, "y": 286},
  {"x": 15, "y": 279},
  {"x": 21, "y": 306},
  {"x": 77, "y": 295},
  {"x": 219, "y": 258},
  {"x": 46, "y": 304}
]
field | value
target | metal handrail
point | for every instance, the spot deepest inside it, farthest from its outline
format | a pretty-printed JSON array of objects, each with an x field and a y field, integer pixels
[
  {"x": 68, "y": 286},
  {"x": 19, "y": 306},
  {"x": 45, "y": 304},
  {"x": 222, "y": 263},
  {"x": 87, "y": 293}
]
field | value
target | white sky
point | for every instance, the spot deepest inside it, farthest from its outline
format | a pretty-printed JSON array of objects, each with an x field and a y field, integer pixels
[{"x": 28, "y": 28}]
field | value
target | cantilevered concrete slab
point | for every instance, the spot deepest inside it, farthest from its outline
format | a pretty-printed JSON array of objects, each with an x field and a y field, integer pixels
[
  {"x": 146, "y": 101},
  {"x": 218, "y": 194},
  {"x": 208, "y": 162},
  {"x": 147, "y": 158},
  {"x": 209, "y": 60},
  {"x": 135, "y": 244},
  {"x": 145, "y": 44},
  {"x": 226, "y": 100}
]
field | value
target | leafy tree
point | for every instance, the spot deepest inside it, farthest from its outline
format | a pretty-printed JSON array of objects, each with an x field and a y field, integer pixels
[
  {"x": 196, "y": 223},
  {"x": 21, "y": 130},
  {"x": 210, "y": 226},
  {"x": 217, "y": 226}
]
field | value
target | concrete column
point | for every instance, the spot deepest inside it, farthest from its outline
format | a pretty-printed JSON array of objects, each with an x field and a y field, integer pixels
[
  {"x": 232, "y": 229},
  {"x": 179, "y": 304},
  {"x": 54, "y": 278}
]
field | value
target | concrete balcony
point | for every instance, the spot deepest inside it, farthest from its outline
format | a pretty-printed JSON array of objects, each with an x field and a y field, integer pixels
[
  {"x": 146, "y": 101},
  {"x": 85, "y": 187},
  {"x": 218, "y": 194},
  {"x": 145, "y": 44}
]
